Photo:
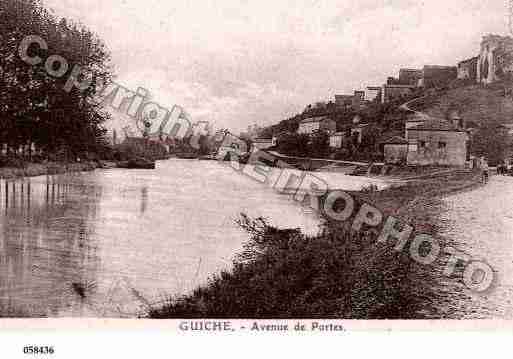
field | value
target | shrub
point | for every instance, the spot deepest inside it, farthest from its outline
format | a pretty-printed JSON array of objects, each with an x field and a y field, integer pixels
[
  {"x": 13, "y": 162},
  {"x": 286, "y": 274}
]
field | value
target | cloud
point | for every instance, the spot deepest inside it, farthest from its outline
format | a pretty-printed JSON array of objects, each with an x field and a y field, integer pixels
[{"x": 241, "y": 61}]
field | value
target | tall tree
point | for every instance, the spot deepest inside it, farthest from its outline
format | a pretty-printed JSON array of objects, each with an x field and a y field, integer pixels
[{"x": 34, "y": 106}]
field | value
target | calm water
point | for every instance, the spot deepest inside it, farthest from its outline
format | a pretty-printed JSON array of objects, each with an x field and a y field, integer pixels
[{"x": 107, "y": 243}]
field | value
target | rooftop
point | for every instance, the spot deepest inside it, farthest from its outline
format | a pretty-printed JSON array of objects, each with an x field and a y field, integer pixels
[
  {"x": 475, "y": 58},
  {"x": 417, "y": 117},
  {"x": 435, "y": 124},
  {"x": 395, "y": 140},
  {"x": 438, "y": 67},
  {"x": 315, "y": 119},
  {"x": 400, "y": 86}
]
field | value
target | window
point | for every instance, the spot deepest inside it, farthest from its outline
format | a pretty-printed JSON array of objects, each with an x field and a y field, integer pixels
[{"x": 442, "y": 145}]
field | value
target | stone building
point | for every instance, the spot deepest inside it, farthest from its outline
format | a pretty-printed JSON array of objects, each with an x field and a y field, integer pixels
[
  {"x": 354, "y": 102},
  {"x": 438, "y": 76},
  {"x": 410, "y": 76},
  {"x": 358, "y": 100},
  {"x": 414, "y": 119},
  {"x": 395, "y": 150},
  {"x": 467, "y": 69},
  {"x": 495, "y": 58},
  {"x": 344, "y": 101},
  {"x": 373, "y": 93},
  {"x": 337, "y": 139},
  {"x": 438, "y": 142},
  {"x": 395, "y": 92},
  {"x": 262, "y": 144},
  {"x": 317, "y": 123}
]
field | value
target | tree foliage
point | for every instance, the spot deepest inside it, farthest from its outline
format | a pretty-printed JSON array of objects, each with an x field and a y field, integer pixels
[{"x": 34, "y": 107}]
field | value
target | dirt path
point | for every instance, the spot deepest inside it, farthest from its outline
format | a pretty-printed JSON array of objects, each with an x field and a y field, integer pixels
[{"x": 481, "y": 221}]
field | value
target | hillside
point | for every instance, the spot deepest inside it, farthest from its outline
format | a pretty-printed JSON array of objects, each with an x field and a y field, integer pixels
[
  {"x": 483, "y": 108},
  {"x": 482, "y": 105}
]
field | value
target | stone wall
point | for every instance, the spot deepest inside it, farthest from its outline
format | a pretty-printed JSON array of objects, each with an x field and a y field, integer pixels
[
  {"x": 410, "y": 76},
  {"x": 467, "y": 70},
  {"x": 394, "y": 92},
  {"x": 495, "y": 58},
  {"x": 396, "y": 153},
  {"x": 439, "y": 76},
  {"x": 446, "y": 148}
]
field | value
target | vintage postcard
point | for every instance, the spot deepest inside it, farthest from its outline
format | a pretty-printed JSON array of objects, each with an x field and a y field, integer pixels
[{"x": 251, "y": 167}]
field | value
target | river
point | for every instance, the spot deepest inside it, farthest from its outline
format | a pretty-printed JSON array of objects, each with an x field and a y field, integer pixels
[{"x": 109, "y": 243}]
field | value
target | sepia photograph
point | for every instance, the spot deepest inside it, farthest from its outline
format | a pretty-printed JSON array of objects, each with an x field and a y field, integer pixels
[{"x": 256, "y": 166}]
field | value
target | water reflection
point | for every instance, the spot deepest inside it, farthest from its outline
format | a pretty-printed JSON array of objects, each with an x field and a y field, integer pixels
[
  {"x": 108, "y": 243},
  {"x": 44, "y": 244}
]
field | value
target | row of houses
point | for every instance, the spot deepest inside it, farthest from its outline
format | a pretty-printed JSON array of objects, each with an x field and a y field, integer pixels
[
  {"x": 431, "y": 141},
  {"x": 494, "y": 60},
  {"x": 408, "y": 81},
  {"x": 354, "y": 132},
  {"x": 426, "y": 141},
  {"x": 411, "y": 80}
]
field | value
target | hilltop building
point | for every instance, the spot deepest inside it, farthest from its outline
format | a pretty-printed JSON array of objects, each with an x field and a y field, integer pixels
[
  {"x": 495, "y": 58},
  {"x": 438, "y": 76},
  {"x": 467, "y": 69},
  {"x": 395, "y": 92},
  {"x": 358, "y": 100},
  {"x": 354, "y": 102},
  {"x": 410, "y": 77},
  {"x": 344, "y": 101},
  {"x": 373, "y": 93}
]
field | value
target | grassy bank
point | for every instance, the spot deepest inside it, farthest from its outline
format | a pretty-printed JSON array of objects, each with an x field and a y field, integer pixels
[
  {"x": 40, "y": 169},
  {"x": 337, "y": 274}
]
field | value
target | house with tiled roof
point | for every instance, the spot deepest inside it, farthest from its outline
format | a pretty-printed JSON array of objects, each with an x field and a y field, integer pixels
[
  {"x": 438, "y": 142},
  {"x": 317, "y": 123}
]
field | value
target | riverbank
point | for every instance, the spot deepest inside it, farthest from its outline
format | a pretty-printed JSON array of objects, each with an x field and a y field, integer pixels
[
  {"x": 49, "y": 168},
  {"x": 283, "y": 273}
]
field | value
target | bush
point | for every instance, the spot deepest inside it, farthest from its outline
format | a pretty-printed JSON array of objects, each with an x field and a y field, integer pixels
[
  {"x": 285, "y": 274},
  {"x": 13, "y": 162}
]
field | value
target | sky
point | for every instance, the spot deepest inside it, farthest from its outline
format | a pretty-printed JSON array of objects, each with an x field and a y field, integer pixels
[{"x": 236, "y": 63}]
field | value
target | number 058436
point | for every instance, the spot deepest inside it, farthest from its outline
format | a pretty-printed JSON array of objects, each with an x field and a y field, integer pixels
[{"x": 38, "y": 350}]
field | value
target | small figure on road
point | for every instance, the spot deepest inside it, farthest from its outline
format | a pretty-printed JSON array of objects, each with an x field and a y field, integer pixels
[{"x": 484, "y": 167}]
